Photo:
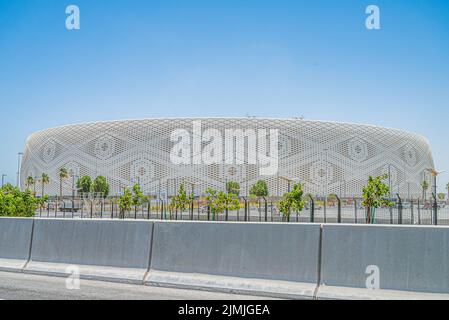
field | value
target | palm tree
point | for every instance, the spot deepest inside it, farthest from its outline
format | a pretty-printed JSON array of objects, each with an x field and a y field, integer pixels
[
  {"x": 29, "y": 182},
  {"x": 44, "y": 180},
  {"x": 63, "y": 174},
  {"x": 425, "y": 186}
]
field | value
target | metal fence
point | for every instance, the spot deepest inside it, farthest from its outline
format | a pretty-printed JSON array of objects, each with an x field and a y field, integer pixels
[{"x": 316, "y": 209}]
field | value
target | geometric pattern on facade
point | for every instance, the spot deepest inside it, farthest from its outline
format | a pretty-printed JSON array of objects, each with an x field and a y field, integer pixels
[{"x": 328, "y": 157}]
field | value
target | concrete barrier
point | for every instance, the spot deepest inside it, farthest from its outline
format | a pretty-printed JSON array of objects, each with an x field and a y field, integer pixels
[
  {"x": 15, "y": 241},
  {"x": 406, "y": 262},
  {"x": 279, "y": 260},
  {"x": 102, "y": 249}
]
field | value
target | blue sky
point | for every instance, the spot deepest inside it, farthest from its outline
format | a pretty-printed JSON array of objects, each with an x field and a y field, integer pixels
[{"x": 135, "y": 59}]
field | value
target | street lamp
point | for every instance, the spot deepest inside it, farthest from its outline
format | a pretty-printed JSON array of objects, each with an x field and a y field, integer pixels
[
  {"x": 73, "y": 192},
  {"x": 327, "y": 175},
  {"x": 289, "y": 180},
  {"x": 434, "y": 174},
  {"x": 344, "y": 194},
  {"x": 3, "y": 179},
  {"x": 18, "y": 168},
  {"x": 192, "y": 185},
  {"x": 389, "y": 181}
]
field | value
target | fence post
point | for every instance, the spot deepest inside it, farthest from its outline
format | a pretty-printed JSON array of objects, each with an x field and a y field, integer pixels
[
  {"x": 435, "y": 209},
  {"x": 101, "y": 208},
  {"x": 246, "y": 208},
  {"x": 266, "y": 208},
  {"x": 91, "y": 208},
  {"x": 338, "y": 209},
  {"x": 162, "y": 208},
  {"x": 399, "y": 209},
  {"x": 198, "y": 208},
  {"x": 324, "y": 211},
  {"x": 48, "y": 209},
  {"x": 390, "y": 209},
  {"x": 355, "y": 210},
  {"x": 208, "y": 212},
  {"x": 191, "y": 211},
  {"x": 412, "y": 215},
  {"x": 112, "y": 208},
  {"x": 149, "y": 209},
  {"x": 312, "y": 209},
  {"x": 419, "y": 213},
  {"x": 63, "y": 212}
]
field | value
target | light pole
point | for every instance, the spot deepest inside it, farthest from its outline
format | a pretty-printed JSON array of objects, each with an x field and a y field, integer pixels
[
  {"x": 327, "y": 175},
  {"x": 277, "y": 184},
  {"x": 3, "y": 179},
  {"x": 289, "y": 180},
  {"x": 19, "y": 155},
  {"x": 36, "y": 179},
  {"x": 389, "y": 182},
  {"x": 192, "y": 185},
  {"x": 344, "y": 194},
  {"x": 73, "y": 192},
  {"x": 434, "y": 174}
]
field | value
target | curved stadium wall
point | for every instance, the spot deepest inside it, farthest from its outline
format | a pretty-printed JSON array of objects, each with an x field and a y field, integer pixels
[{"x": 328, "y": 157}]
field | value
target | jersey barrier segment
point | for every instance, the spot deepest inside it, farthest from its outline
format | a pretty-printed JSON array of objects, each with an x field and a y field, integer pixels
[{"x": 285, "y": 260}]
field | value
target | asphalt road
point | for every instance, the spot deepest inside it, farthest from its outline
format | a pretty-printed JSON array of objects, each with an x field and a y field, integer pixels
[{"x": 19, "y": 286}]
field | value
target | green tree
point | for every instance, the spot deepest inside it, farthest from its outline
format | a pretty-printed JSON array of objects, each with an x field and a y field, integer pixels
[
  {"x": 211, "y": 195},
  {"x": 292, "y": 201},
  {"x": 233, "y": 187},
  {"x": 375, "y": 194},
  {"x": 181, "y": 200},
  {"x": 138, "y": 196},
  {"x": 228, "y": 201},
  {"x": 424, "y": 186},
  {"x": 84, "y": 184},
  {"x": 441, "y": 196},
  {"x": 63, "y": 174},
  {"x": 16, "y": 203},
  {"x": 100, "y": 184},
  {"x": 45, "y": 179},
  {"x": 219, "y": 201},
  {"x": 259, "y": 189},
  {"x": 125, "y": 202}
]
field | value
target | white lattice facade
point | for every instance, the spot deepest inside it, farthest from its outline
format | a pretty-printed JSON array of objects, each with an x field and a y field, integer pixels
[{"x": 328, "y": 157}]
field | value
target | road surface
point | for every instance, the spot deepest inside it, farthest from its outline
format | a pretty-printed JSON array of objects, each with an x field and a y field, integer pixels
[{"x": 20, "y": 286}]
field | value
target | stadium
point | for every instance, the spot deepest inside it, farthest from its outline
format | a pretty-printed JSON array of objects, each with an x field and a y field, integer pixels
[{"x": 160, "y": 154}]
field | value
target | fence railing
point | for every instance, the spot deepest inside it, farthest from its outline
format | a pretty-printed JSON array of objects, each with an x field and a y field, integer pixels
[{"x": 264, "y": 209}]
